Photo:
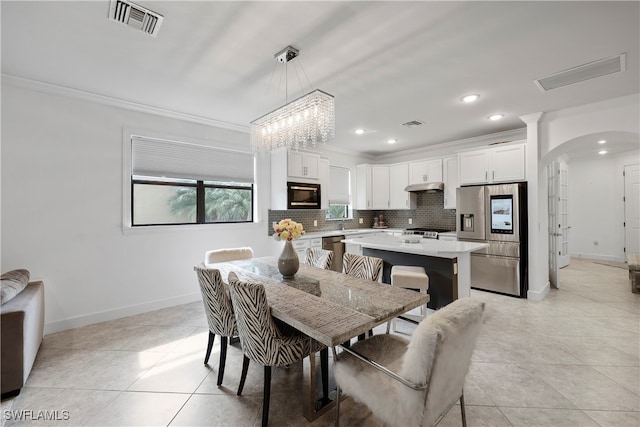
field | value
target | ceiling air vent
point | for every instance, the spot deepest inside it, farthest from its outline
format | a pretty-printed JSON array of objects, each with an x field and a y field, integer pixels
[
  {"x": 598, "y": 68},
  {"x": 135, "y": 16},
  {"x": 412, "y": 123}
]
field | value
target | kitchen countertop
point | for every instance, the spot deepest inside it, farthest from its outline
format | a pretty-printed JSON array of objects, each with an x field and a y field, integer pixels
[
  {"x": 353, "y": 232},
  {"x": 428, "y": 247}
]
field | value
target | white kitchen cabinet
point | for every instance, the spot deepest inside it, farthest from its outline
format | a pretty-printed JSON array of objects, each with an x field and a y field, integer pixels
[
  {"x": 504, "y": 163},
  {"x": 398, "y": 180},
  {"x": 303, "y": 165},
  {"x": 380, "y": 187},
  {"x": 508, "y": 163},
  {"x": 372, "y": 187},
  {"x": 323, "y": 177},
  {"x": 282, "y": 160},
  {"x": 300, "y": 246},
  {"x": 425, "y": 171},
  {"x": 450, "y": 175}
]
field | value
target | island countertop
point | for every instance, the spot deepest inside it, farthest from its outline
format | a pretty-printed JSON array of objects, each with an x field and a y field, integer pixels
[{"x": 428, "y": 247}]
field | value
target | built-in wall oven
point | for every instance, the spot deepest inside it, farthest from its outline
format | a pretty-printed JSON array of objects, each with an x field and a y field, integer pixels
[
  {"x": 497, "y": 215},
  {"x": 303, "y": 196}
]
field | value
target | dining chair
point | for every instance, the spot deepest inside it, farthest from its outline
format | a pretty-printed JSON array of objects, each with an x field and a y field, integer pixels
[
  {"x": 219, "y": 313},
  {"x": 364, "y": 267},
  {"x": 263, "y": 340},
  {"x": 229, "y": 254},
  {"x": 319, "y": 257},
  {"x": 413, "y": 383}
]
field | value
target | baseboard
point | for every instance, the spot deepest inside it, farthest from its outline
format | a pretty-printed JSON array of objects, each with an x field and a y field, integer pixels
[
  {"x": 538, "y": 295},
  {"x": 598, "y": 257},
  {"x": 104, "y": 316}
]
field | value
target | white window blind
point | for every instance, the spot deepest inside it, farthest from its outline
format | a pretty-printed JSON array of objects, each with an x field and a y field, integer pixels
[
  {"x": 339, "y": 185},
  {"x": 155, "y": 157}
]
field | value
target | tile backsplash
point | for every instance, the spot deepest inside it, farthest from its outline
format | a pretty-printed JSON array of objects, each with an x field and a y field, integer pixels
[{"x": 430, "y": 213}]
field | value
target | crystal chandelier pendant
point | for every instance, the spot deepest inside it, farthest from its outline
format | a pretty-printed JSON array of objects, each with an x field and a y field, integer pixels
[{"x": 301, "y": 123}]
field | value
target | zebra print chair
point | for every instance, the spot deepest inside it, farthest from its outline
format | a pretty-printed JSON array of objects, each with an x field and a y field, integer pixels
[
  {"x": 320, "y": 258},
  {"x": 217, "y": 304},
  {"x": 219, "y": 313},
  {"x": 364, "y": 267},
  {"x": 263, "y": 341}
]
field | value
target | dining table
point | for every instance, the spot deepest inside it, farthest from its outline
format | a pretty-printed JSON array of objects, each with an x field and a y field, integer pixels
[{"x": 327, "y": 306}]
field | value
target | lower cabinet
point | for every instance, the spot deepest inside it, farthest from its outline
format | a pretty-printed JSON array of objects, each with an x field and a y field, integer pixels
[{"x": 301, "y": 246}]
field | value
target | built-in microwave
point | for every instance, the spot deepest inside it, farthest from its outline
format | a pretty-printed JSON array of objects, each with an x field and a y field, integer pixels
[{"x": 303, "y": 196}]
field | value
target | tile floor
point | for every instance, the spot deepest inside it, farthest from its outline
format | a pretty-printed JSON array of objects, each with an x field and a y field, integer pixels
[{"x": 572, "y": 359}]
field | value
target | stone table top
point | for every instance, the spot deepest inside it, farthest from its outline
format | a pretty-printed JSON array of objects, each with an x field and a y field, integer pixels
[{"x": 328, "y": 306}]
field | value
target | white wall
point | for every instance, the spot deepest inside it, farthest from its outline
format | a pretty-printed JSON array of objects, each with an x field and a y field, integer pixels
[
  {"x": 62, "y": 210},
  {"x": 558, "y": 131},
  {"x": 596, "y": 208}
]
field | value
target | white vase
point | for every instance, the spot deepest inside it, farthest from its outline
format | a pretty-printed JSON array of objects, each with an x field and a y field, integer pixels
[{"x": 288, "y": 263}]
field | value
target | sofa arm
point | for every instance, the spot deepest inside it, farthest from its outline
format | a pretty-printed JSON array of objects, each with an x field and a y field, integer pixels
[{"x": 21, "y": 332}]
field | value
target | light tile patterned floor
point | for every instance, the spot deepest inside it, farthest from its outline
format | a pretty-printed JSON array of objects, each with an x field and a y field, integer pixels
[{"x": 572, "y": 359}]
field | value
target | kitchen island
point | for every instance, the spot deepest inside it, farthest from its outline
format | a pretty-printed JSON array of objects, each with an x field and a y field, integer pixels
[{"x": 447, "y": 263}]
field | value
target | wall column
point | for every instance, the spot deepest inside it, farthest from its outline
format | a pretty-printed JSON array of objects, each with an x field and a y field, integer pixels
[{"x": 536, "y": 199}]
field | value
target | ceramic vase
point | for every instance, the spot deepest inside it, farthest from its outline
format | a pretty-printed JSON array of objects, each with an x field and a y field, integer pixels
[{"x": 288, "y": 263}]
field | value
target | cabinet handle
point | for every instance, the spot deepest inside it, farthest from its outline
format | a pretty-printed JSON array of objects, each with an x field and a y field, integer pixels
[
  {"x": 486, "y": 177},
  {"x": 493, "y": 175}
]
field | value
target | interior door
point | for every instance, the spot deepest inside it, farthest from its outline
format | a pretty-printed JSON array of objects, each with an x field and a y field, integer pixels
[
  {"x": 562, "y": 214},
  {"x": 552, "y": 207},
  {"x": 632, "y": 209}
]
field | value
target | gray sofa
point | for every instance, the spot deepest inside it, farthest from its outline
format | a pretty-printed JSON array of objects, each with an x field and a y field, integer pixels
[{"x": 21, "y": 330}]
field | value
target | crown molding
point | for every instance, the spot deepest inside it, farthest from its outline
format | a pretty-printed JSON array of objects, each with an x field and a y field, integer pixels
[
  {"x": 459, "y": 145},
  {"x": 40, "y": 86}
]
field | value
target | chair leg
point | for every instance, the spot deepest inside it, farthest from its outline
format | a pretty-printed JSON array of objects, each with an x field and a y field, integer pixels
[
  {"x": 362, "y": 337},
  {"x": 464, "y": 416},
  {"x": 388, "y": 326},
  {"x": 212, "y": 337},
  {"x": 337, "y": 423},
  {"x": 223, "y": 358},
  {"x": 324, "y": 372},
  {"x": 267, "y": 396},
  {"x": 243, "y": 377}
]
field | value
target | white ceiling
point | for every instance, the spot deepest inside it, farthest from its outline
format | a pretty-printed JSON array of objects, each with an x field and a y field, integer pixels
[{"x": 386, "y": 63}]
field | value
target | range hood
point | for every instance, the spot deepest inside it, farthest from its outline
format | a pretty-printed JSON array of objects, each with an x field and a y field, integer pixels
[{"x": 427, "y": 186}]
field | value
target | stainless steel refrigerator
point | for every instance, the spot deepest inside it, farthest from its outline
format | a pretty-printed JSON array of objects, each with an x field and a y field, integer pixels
[{"x": 497, "y": 215}]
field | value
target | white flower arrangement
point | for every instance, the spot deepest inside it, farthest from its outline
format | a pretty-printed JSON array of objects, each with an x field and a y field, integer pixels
[{"x": 287, "y": 229}]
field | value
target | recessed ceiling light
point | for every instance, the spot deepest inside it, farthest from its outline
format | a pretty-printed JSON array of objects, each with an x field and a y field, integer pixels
[
  {"x": 602, "y": 152},
  {"x": 391, "y": 141},
  {"x": 470, "y": 98},
  {"x": 495, "y": 117},
  {"x": 359, "y": 131},
  {"x": 602, "y": 141}
]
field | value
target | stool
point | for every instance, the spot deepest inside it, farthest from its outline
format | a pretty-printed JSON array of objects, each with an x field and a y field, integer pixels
[
  {"x": 410, "y": 277},
  {"x": 634, "y": 272}
]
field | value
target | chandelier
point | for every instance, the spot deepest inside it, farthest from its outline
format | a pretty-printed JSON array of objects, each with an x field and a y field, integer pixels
[{"x": 303, "y": 122}]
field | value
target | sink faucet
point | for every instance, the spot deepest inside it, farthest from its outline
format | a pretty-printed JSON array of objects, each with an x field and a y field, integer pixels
[{"x": 342, "y": 225}]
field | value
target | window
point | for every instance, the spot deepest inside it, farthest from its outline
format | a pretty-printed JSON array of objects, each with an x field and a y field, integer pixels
[
  {"x": 339, "y": 193},
  {"x": 176, "y": 183}
]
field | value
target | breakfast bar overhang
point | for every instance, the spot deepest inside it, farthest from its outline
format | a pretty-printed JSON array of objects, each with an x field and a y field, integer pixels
[{"x": 447, "y": 263}]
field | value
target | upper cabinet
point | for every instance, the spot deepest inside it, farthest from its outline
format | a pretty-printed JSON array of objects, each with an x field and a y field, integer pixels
[
  {"x": 504, "y": 163},
  {"x": 296, "y": 166},
  {"x": 450, "y": 175},
  {"x": 382, "y": 187},
  {"x": 323, "y": 176},
  {"x": 303, "y": 165},
  {"x": 425, "y": 171},
  {"x": 398, "y": 180}
]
